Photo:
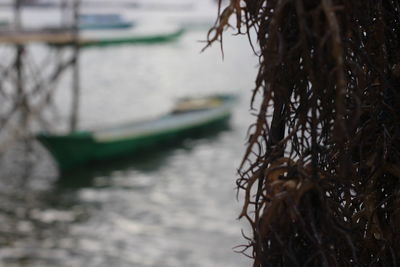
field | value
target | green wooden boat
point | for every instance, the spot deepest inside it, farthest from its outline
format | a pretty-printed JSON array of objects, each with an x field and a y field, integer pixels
[
  {"x": 190, "y": 116},
  {"x": 126, "y": 38},
  {"x": 103, "y": 22}
]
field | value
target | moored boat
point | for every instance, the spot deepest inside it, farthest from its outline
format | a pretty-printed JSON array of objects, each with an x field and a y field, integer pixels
[
  {"x": 190, "y": 116},
  {"x": 86, "y": 40},
  {"x": 103, "y": 22}
]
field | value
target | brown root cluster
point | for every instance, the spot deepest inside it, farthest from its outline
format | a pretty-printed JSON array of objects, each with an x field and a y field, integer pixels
[{"x": 321, "y": 171}]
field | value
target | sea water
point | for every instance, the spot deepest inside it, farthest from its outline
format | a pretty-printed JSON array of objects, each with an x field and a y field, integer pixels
[{"x": 176, "y": 207}]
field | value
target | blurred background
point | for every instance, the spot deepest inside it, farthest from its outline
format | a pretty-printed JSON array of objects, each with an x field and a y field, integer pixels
[{"x": 173, "y": 207}]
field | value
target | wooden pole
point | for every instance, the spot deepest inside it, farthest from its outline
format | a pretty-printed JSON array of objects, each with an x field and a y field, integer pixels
[
  {"x": 19, "y": 68},
  {"x": 17, "y": 14},
  {"x": 75, "y": 70},
  {"x": 68, "y": 13},
  {"x": 19, "y": 48}
]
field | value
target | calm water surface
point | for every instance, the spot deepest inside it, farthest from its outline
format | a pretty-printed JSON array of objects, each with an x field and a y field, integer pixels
[{"x": 174, "y": 208}]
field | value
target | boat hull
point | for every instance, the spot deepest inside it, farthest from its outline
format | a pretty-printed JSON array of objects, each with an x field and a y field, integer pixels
[
  {"x": 125, "y": 25},
  {"x": 113, "y": 41},
  {"x": 78, "y": 149}
]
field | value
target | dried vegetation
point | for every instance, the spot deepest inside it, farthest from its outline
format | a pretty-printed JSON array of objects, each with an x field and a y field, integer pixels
[{"x": 321, "y": 171}]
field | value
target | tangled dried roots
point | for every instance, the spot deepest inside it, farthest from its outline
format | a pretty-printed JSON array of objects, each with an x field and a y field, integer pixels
[{"x": 321, "y": 170}]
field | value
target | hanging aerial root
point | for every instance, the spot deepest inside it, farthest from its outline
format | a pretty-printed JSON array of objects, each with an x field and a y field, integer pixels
[{"x": 320, "y": 173}]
